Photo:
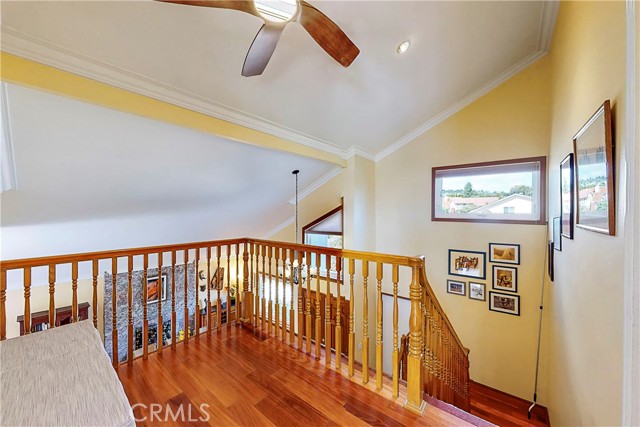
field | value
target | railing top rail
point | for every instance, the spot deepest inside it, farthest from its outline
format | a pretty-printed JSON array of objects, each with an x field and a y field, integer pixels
[
  {"x": 429, "y": 292},
  {"x": 117, "y": 253},
  {"x": 345, "y": 253}
]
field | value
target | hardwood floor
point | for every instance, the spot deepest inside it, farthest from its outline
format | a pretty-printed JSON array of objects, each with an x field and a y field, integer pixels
[
  {"x": 505, "y": 410},
  {"x": 239, "y": 378}
]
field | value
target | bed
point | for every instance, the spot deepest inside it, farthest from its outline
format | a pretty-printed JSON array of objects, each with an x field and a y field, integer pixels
[{"x": 61, "y": 377}]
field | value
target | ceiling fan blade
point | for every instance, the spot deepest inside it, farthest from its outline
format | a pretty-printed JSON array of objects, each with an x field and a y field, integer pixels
[
  {"x": 261, "y": 49},
  {"x": 247, "y": 6},
  {"x": 327, "y": 34}
]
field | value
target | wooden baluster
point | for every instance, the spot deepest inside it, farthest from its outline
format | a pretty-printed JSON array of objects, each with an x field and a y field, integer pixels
[
  {"x": 209, "y": 289},
  {"x": 318, "y": 316},
  {"x": 394, "y": 354},
  {"x": 219, "y": 280},
  {"x": 114, "y": 309},
  {"x": 379, "y": 272},
  {"x": 292, "y": 307},
  {"x": 270, "y": 283},
  {"x": 352, "y": 329},
  {"x": 95, "y": 293},
  {"x": 228, "y": 310},
  {"x": 174, "y": 327},
  {"x": 327, "y": 315},
  {"x": 238, "y": 289},
  {"x": 255, "y": 318},
  {"x": 247, "y": 296},
  {"x": 130, "y": 311},
  {"x": 3, "y": 308},
  {"x": 196, "y": 314},
  {"x": 338, "y": 334},
  {"x": 277, "y": 256},
  {"x": 308, "y": 303},
  {"x": 284, "y": 294},
  {"x": 414, "y": 360},
  {"x": 365, "y": 323},
  {"x": 27, "y": 300},
  {"x": 300, "y": 302},
  {"x": 74, "y": 291},
  {"x": 145, "y": 298},
  {"x": 186, "y": 297},
  {"x": 52, "y": 299},
  {"x": 160, "y": 327},
  {"x": 263, "y": 252}
]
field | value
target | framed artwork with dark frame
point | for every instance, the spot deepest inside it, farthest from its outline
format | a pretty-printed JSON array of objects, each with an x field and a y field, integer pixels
[
  {"x": 504, "y": 253},
  {"x": 567, "y": 195},
  {"x": 456, "y": 287},
  {"x": 557, "y": 234},
  {"x": 467, "y": 263},
  {"x": 550, "y": 261},
  {"x": 504, "y": 303},
  {"x": 477, "y": 291},
  {"x": 593, "y": 151},
  {"x": 505, "y": 278}
]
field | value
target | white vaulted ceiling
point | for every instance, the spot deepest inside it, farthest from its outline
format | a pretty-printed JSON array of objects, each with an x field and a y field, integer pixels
[{"x": 193, "y": 56}]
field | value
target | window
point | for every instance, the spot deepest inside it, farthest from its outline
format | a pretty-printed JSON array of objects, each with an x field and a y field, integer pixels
[
  {"x": 509, "y": 191},
  {"x": 325, "y": 231}
]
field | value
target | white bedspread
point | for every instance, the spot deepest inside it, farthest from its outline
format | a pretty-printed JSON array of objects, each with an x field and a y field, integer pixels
[{"x": 61, "y": 377}]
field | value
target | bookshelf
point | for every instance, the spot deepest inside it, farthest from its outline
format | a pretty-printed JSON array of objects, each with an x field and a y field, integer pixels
[{"x": 63, "y": 317}]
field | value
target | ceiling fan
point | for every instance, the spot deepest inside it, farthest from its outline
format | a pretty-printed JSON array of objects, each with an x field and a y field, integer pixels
[{"x": 276, "y": 15}]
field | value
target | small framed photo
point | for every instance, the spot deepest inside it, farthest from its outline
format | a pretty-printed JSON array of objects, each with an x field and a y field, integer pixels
[
  {"x": 567, "y": 196},
  {"x": 467, "y": 263},
  {"x": 456, "y": 287},
  {"x": 505, "y": 278},
  {"x": 477, "y": 291},
  {"x": 504, "y": 253},
  {"x": 504, "y": 303},
  {"x": 557, "y": 234},
  {"x": 550, "y": 265},
  {"x": 156, "y": 287}
]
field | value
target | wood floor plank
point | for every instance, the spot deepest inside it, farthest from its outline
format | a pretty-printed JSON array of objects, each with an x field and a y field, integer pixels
[{"x": 248, "y": 379}]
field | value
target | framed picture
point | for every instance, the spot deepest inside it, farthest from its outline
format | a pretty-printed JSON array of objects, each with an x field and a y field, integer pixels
[
  {"x": 467, "y": 263},
  {"x": 504, "y": 303},
  {"x": 477, "y": 291},
  {"x": 456, "y": 287},
  {"x": 567, "y": 196},
  {"x": 504, "y": 253},
  {"x": 505, "y": 278},
  {"x": 557, "y": 234},
  {"x": 593, "y": 150},
  {"x": 156, "y": 286},
  {"x": 550, "y": 260}
]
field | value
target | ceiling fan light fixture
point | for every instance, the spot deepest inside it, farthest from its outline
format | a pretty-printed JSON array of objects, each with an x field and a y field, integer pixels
[
  {"x": 403, "y": 47},
  {"x": 277, "y": 10}
]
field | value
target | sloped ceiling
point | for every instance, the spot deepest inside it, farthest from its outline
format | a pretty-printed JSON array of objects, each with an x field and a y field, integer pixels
[{"x": 192, "y": 56}]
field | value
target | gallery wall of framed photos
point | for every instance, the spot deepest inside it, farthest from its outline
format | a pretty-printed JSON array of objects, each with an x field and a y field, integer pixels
[{"x": 503, "y": 276}]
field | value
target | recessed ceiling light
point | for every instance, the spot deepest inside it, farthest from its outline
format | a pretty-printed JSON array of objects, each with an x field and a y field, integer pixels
[{"x": 404, "y": 46}]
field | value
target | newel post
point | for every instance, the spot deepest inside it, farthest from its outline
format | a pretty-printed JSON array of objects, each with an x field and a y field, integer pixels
[
  {"x": 247, "y": 295},
  {"x": 414, "y": 360}
]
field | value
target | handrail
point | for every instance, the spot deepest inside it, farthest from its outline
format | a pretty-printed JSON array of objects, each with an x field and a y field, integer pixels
[
  {"x": 257, "y": 298},
  {"x": 432, "y": 296}
]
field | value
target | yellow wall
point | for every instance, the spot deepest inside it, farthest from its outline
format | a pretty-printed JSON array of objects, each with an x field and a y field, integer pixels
[
  {"x": 511, "y": 121},
  {"x": 585, "y": 305}
]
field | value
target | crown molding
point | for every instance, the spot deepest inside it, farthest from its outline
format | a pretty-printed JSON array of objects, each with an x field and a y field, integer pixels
[
  {"x": 280, "y": 227},
  {"x": 547, "y": 24},
  {"x": 39, "y": 50},
  {"x": 316, "y": 184},
  {"x": 453, "y": 109},
  {"x": 355, "y": 150}
]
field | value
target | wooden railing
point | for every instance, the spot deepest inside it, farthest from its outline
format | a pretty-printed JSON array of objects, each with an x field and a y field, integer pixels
[{"x": 280, "y": 290}]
